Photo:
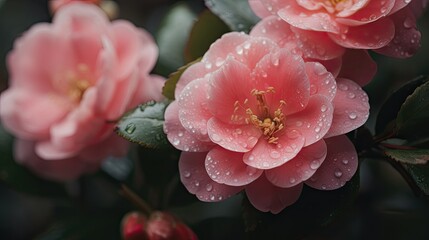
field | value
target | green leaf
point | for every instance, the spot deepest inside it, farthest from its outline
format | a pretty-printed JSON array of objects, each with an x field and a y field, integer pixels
[
  {"x": 20, "y": 178},
  {"x": 170, "y": 84},
  {"x": 420, "y": 175},
  {"x": 314, "y": 209},
  {"x": 207, "y": 29},
  {"x": 417, "y": 156},
  {"x": 389, "y": 110},
  {"x": 236, "y": 14},
  {"x": 172, "y": 36},
  {"x": 413, "y": 117},
  {"x": 144, "y": 125}
]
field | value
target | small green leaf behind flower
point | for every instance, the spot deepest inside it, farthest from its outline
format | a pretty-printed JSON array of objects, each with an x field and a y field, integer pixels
[
  {"x": 412, "y": 156},
  {"x": 144, "y": 125},
  {"x": 170, "y": 84}
]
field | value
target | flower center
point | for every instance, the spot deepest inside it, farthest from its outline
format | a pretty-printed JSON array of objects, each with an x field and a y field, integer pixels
[
  {"x": 333, "y": 6},
  {"x": 78, "y": 83},
  {"x": 269, "y": 124}
]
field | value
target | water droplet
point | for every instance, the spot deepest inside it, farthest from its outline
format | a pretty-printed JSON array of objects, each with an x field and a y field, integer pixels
[
  {"x": 323, "y": 108},
  {"x": 209, "y": 187},
  {"x": 251, "y": 158},
  {"x": 352, "y": 115},
  {"x": 216, "y": 138},
  {"x": 239, "y": 50},
  {"x": 265, "y": 164},
  {"x": 212, "y": 197},
  {"x": 275, "y": 154},
  {"x": 293, "y": 134},
  {"x": 247, "y": 45},
  {"x": 345, "y": 161},
  {"x": 324, "y": 187},
  {"x": 298, "y": 123},
  {"x": 187, "y": 174},
  {"x": 180, "y": 134},
  {"x": 314, "y": 164},
  {"x": 292, "y": 180},
  {"x": 208, "y": 65},
  {"x": 351, "y": 95},
  {"x": 197, "y": 184},
  {"x": 343, "y": 87},
  {"x": 130, "y": 128},
  {"x": 176, "y": 142},
  {"x": 251, "y": 171},
  {"x": 219, "y": 61},
  {"x": 251, "y": 141},
  {"x": 338, "y": 173}
]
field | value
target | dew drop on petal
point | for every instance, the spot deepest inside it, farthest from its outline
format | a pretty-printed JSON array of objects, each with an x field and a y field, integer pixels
[
  {"x": 352, "y": 115},
  {"x": 209, "y": 187},
  {"x": 187, "y": 174},
  {"x": 216, "y": 138},
  {"x": 275, "y": 154},
  {"x": 338, "y": 173},
  {"x": 314, "y": 164},
  {"x": 292, "y": 180},
  {"x": 345, "y": 161}
]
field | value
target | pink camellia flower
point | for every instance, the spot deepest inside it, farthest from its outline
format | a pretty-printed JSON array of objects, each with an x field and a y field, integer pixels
[
  {"x": 253, "y": 116},
  {"x": 354, "y": 64},
  {"x": 388, "y": 27},
  {"x": 69, "y": 81}
]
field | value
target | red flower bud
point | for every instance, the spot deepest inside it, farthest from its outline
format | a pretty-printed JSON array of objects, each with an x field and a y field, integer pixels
[
  {"x": 163, "y": 226},
  {"x": 133, "y": 227}
]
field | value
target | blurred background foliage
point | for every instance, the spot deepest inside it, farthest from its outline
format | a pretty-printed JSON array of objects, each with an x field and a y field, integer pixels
[{"x": 91, "y": 208}]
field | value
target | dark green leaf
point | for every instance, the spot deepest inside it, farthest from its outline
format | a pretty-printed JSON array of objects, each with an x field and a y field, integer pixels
[
  {"x": 417, "y": 156},
  {"x": 413, "y": 117},
  {"x": 420, "y": 175},
  {"x": 170, "y": 84},
  {"x": 390, "y": 108},
  {"x": 236, "y": 14},
  {"x": 144, "y": 125},
  {"x": 20, "y": 178},
  {"x": 314, "y": 209},
  {"x": 172, "y": 36},
  {"x": 205, "y": 31}
]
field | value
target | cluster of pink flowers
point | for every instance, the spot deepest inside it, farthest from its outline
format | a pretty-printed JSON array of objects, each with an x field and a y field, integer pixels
[
  {"x": 266, "y": 113},
  {"x": 68, "y": 81}
]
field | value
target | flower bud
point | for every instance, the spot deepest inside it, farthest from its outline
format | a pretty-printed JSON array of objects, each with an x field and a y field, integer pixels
[
  {"x": 133, "y": 227},
  {"x": 163, "y": 226}
]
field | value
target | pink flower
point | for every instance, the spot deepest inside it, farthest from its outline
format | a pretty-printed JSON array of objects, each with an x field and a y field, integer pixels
[
  {"x": 355, "y": 64},
  {"x": 68, "y": 81},
  {"x": 388, "y": 27},
  {"x": 253, "y": 116}
]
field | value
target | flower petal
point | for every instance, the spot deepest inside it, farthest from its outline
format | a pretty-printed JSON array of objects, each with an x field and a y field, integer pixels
[
  {"x": 277, "y": 30},
  {"x": 369, "y": 36},
  {"x": 193, "y": 110},
  {"x": 196, "y": 180},
  {"x": 266, "y": 197},
  {"x": 351, "y": 108},
  {"x": 321, "y": 81},
  {"x": 314, "y": 121},
  {"x": 269, "y": 155},
  {"x": 178, "y": 135},
  {"x": 339, "y": 166},
  {"x": 317, "y": 45},
  {"x": 407, "y": 38},
  {"x": 300, "y": 168},
  {"x": 371, "y": 12},
  {"x": 226, "y": 167},
  {"x": 237, "y": 138},
  {"x": 302, "y": 18},
  {"x": 285, "y": 73}
]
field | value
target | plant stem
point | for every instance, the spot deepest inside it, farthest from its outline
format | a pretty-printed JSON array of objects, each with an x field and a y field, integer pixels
[{"x": 135, "y": 199}]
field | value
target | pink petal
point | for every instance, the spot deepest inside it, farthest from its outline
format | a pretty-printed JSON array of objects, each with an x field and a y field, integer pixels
[
  {"x": 369, "y": 36},
  {"x": 231, "y": 85},
  {"x": 193, "y": 108},
  {"x": 286, "y": 74},
  {"x": 351, "y": 108},
  {"x": 251, "y": 51},
  {"x": 42, "y": 111},
  {"x": 358, "y": 66},
  {"x": 133, "y": 45},
  {"x": 266, "y": 197},
  {"x": 317, "y": 45},
  {"x": 407, "y": 38},
  {"x": 195, "y": 178},
  {"x": 314, "y": 121},
  {"x": 259, "y": 9},
  {"x": 371, "y": 12},
  {"x": 237, "y": 138},
  {"x": 304, "y": 19},
  {"x": 222, "y": 48},
  {"x": 177, "y": 134},
  {"x": 277, "y": 30},
  {"x": 339, "y": 166},
  {"x": 226, "y": 167},
  {"x": 333, "y": 66},
  {"x": 401, "y": 4},
  {"x": 197, "y": 70},
  {"x": 268, "y": 155},
  {"x": 61, "y": 170},
  {"x": 321, "y": 81},
  {"x": 300, "y": 168}
]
